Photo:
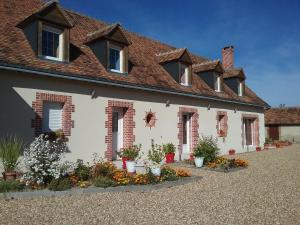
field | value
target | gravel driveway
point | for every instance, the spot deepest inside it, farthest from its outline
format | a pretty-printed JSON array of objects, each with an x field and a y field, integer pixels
[{"x": 268, "y": 192}]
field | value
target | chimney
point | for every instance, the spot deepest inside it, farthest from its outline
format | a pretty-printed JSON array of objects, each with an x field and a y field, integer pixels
[{"x": 227, "y": 56}]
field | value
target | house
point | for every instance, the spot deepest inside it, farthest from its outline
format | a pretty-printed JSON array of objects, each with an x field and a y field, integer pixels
[
  {"x": 283, "y": 123},
  {"x": 108, "y": 88}
]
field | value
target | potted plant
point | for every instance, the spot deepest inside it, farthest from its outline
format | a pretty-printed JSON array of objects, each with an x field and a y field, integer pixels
[
  {"x": 198, "y": 156},
  {"x": 156, "y": 156},
  {"x": 131, "y": 154},
  {"x": 10, "y": 152},
  {"x": 169, "y": 150}
]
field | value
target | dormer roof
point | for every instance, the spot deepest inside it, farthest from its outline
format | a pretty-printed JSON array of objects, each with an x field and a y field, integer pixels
[
  {"x": 207, "y": 66},
  {"x": 114, "y": 32},
  {"x": 181, "y": 54},
  {"x": 234, "y": 72},
  {"x": 51, "y": 11}
]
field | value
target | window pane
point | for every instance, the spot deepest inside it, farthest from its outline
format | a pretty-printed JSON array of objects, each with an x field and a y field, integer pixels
[
  {"x": 50, "y": 44},
  {"x": 52, "y": 116},
  {"x": 183, "y": 74},
  {"x": 114, "y": 59}
]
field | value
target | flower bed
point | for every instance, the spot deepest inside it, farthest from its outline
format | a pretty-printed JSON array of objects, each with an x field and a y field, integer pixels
[{"x": 226, "y": 165}]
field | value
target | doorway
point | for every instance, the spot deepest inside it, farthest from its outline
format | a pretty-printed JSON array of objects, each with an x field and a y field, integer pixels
[
  {"x": 117, "y": 131},
  {"x": 186, "y": 135},
  {"x": 248, "y": 124}
]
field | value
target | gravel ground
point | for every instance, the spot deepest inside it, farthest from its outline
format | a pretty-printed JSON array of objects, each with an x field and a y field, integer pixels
[{"x": 268, "y": 192}]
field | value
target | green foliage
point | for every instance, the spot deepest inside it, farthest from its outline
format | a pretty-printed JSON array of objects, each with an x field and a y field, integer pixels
[
  {"x": 104, "y": 169},
  {"x": 207, "y": 147},
  {"x": 168, "y": 174},
  {"x": 152, "y": 179},
  {"x": 82, "y": 171},
  {"x": 7, "y": 186},
  {"x": 156, "y": 154},
  {"x": 104, "y": 182},
  {"x": 268, "y": 141},
  {"x": 60, "y": 184},
  {"x": 169, "y": 148},
  {"x": 131, "y": 153},
  {"x": 10, "y": 152}
]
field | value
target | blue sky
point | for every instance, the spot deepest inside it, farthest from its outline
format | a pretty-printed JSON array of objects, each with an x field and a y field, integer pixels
[{"x": 265, "y": 34}]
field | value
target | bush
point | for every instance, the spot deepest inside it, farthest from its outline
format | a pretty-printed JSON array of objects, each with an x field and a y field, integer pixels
[
  {"x": 10, "y": 152},
  {"x": 169, "y": 148},
  {"x": 42, "y": 159},
  {"x": 168, "y": 174},
  {"x": 7, "y": 186},
  {"x": 207, "y": 147},
  {"x": 104, "y": 169},
  {"x": 61, "y": 184},
  {"x": 82, "y": 171},
  {"x": 131, "y": 153},
  {"x": 156, "y": 154},
  {"x": 104, "y": 182}
]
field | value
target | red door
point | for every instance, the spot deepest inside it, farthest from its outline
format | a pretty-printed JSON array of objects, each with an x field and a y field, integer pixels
[{"x": 274, "y": 132}]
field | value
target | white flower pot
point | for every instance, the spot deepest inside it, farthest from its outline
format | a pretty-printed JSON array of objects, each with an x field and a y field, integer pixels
[
  {"x": 199, "y": 161},
  {"x": 130, "y": 165},
  {"x": 155, "y": 170}
]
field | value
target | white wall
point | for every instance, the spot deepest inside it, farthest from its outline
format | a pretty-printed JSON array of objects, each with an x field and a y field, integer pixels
[{"x": 17, "y": 92}]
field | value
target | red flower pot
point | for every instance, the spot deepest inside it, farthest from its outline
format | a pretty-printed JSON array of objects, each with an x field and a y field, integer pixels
[
  {"x": 170, "y": 157},
  {"x": 124, "y": 162},
  {"x": 9, "y": 175},
  {"x": 231, "y": 152},
  {"x": 258, "y": 149}
]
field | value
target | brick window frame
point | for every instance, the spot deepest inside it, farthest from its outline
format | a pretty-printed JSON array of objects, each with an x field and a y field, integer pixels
[
  {"x": 68, "y": 109},
  {"x": 194, "y": 128},
  {"x": 256, "y": 128},
  {"x": 224, "y": 123},
  {"x": 128, "y": 125}
]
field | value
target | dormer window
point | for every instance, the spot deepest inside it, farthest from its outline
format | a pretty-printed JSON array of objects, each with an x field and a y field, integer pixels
[
  {"x": 115, "y": 59},
  {"x": 52, "y": 43},
  {"x": 218, "y": 83},
  {"x": 184, "y": 74},
  {"x": 240, "y": 88}
]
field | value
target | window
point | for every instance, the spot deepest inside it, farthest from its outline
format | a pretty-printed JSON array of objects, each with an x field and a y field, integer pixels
[
  {"x": 52, "y": 116},
  {"x": 184, "y": 74},
  {"x": 115, "y": 59},
  {"x": 52, "y": 43},
  {"x": 218, "y": 84},
  {"x": 248, "y": 131},
  {"x": 240, "y": 89},
  {"x": 222, "y": 124}
]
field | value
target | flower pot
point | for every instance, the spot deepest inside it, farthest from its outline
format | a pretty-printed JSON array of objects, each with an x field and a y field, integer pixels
[
  {"x": 199, "y": 161},
  {"x": 130, "y": 165},
  {"x": 9, "y": 175},
  {"x": 231, "y": 152},
  {"x": 258, "y": 149},
  {"x": 155, "y": 170},
  {"x": 170, "y": 157},
  {"x": 124, "y": 163}
]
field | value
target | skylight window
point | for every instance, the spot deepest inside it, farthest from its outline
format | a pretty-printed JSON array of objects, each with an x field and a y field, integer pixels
[
  {"x": 241, "y": 89},
  {"x": 218, "y": 84},
  {"x": 184, "y": 75}
]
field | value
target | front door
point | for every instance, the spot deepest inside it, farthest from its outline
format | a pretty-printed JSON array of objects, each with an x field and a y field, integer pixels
[
  {"x": 186, "y": 137},
  {"x": 248, "y": 132},
  {"x": 117, "y": 130}
]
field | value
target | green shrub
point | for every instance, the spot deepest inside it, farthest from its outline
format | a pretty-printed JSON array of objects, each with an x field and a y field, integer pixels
[
  {"x": 131, "y": 153},
  {"x": 207, "y": 147},
  {"x": 7, "y": 186},
  {"x": 10, "y": 152},
  {"x": 82, "y": 171},
  {"x": 104, "y": 182},
  {"x": 156, "y": 154},
  {"x": 104, "y": 169},
  {"x": 61, "y": 184},
  {"x": 169, "y": 148},
  {"x": 168, "y": 174}
]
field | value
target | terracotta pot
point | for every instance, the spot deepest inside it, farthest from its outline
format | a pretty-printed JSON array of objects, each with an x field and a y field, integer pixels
[
  {"x": 9, "y": 175},
  {"x": 258, "y": 149},
  {"x": 231, "y": 152},
  {"x": 170, "y": 157}
]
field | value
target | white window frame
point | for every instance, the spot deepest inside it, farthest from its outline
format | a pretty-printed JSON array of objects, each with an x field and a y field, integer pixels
[
  {"x": 218, "y": 81},
  {"x": 240, "y": 89},
  {"x": 186, "y": 74},
  {"x": 60, "y": 44},
  {"x": 120, "y": 49}
]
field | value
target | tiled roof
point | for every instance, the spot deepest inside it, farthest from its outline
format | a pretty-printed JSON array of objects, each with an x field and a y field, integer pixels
[
  {"x": 283, "y": 116},
  {"x": 171, "y": 55},
  {"x": 16, "y": 50},
  {"x": 206, "y": 66}
]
